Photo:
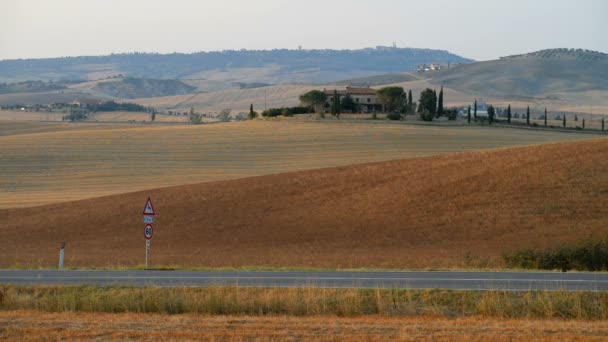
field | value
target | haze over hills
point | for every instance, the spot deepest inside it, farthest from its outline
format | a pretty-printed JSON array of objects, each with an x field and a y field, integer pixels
[
  {"x": 561, "y": 79},
  {"x": 284, "y": 65}
]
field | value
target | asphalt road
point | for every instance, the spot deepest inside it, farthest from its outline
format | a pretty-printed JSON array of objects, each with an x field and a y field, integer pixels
[{"x": 515, "y": 281}]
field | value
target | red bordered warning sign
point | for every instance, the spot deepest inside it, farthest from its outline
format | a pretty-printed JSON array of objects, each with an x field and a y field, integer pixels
[
  {"x": 148, "y": 232},
  {"x": 149, "y": 208}
]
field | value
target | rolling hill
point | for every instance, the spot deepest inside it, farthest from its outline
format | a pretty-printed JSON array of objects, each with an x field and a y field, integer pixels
[
  {"x": 80, "y": 163},
  {"x": 445, "y": 211},
  {"x": 267, "y": 66},
  {"x": 548, "y": 74}
]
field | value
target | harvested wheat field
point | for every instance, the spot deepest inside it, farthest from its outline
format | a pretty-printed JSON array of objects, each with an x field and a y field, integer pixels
[
  {"x": 458, "y": 210},
  {"x": 34, "y": 326},
  {"x": 74, "y": 164}
]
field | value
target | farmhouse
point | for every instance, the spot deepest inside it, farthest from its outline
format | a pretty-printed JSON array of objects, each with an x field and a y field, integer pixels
[{"x": 364, "y": 97}]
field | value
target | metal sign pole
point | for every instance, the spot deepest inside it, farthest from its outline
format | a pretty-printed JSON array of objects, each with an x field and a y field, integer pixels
[
  {"x": 61, "y": 255},
  {"x": 147, "y": 254}
]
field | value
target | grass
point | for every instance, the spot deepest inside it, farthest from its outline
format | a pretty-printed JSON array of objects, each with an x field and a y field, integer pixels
[
  {"x": 306, "y": 302},
  {"x": 73, "y": 164},
  {"x": 35, "y": 326},
  {"x": 262, "y": 314},
  {"x": 441, "y": 212}
]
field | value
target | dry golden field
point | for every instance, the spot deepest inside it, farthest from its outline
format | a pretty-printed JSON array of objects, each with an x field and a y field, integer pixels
[
  {"x": 71, "y": 164},
  {"x": 135, "y": 116},
  {"x": 17, "y": 115},
  {"x": 457, "y": 210},
  {"x": 35, "y": 326}
]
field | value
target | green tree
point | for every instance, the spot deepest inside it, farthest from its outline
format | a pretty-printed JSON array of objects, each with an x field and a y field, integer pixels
[
  {"x": 152, "y": 115},
  {"x": 583, "y": 123},
  {"x": 224, "y": 115},
  {"x": 252, "y": 113},
  {"x": 509, "y": 114},
  {"x": 314, "y": 99},
  {"x": 427, "y": 105},
  {"x": 475, "y": 110},
  {"x": 602, "y": 124},
  {"x": 440, "y": 103},
  {"x": 469, "y": 114},
  {"x": 348, "y": 103},
  {"x": 528, "y": 115},
  {"x": 410, "y": 102},
  {"x": 335, "y": 106},
  {"x": 491, "y": 114},
  {"x": 564, "y": 121},
  {"x": 545, "y": 116},
  {"x": 391, "y": 98}
]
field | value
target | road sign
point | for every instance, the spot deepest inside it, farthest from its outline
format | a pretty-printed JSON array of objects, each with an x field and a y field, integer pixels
[
  {"x": 149, "y": 208},
  {"x": 148, "y": 231},
  {"x": 149, "y": 219}
]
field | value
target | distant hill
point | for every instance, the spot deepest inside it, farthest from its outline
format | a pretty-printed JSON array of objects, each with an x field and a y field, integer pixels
[
  {"x": 130, "y": 87},
  {"x": 377, "y": 80},
  {"x": 266, "y": 66},
  {"x": 545, "y": 74}
]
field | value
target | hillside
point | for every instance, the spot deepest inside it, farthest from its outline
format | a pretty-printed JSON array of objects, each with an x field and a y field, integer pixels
[
  {"x": 130, "y": 87},
  {"x": 443, "y": 211},
  {"x": 549, "y": 74},
  {"x": 81, "y": 163},
  {"x": 275, "y": 66}
]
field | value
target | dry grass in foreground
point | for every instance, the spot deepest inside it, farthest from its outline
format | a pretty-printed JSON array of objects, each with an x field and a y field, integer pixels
[
  {"x": 461, "y": 210},
  {"x": 309, "y": 301},
  {"x": 34, "y": 326}
]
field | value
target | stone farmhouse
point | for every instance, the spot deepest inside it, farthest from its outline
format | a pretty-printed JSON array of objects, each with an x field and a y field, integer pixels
[{"x": 364, "y": 97}]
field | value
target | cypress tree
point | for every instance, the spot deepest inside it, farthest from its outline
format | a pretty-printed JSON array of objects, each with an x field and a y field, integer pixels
[
  {"x": 545, "y": 116},
  {"x": 410, "y": 102},
  {"x": 491, "y": 113},
  {"x": 252, "y": 114},
  {"x": 469, "y": 114},
  {"x": 334, "y": 106},
  {"x": 528, "y": 115},
  {"x": 602, "y": 124},
  {"x": 509, "y": 114},
  {"x": 564, "y": 122},
  {"x": 475, "y": 110},
  {"x": 583, "y": 123},
  {"x": 440, "y": 103}
]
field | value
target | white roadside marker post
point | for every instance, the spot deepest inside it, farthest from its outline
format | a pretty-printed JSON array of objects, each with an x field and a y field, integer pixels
[{"x": 61, "y": 255}]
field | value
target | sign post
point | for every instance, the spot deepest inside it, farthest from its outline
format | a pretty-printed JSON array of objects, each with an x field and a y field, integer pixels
[
  {"x": 148, "y": 229},
  {"x": 61, "y": 255}
]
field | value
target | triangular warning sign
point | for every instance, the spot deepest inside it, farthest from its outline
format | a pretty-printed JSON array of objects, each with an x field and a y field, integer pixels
[{"x": 149, "y": 209}]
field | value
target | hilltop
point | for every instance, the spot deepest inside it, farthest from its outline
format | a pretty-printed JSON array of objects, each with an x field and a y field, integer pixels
[{"x": 456, "y": 210}]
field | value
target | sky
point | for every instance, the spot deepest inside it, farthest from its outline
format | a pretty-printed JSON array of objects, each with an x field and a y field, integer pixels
[{"x": 477, "y": 29}]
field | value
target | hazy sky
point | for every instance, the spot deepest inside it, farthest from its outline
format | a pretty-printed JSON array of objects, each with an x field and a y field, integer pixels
[{"x": 478, "y": 29}]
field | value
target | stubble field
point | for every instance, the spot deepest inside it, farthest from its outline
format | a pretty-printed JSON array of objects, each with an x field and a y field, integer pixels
[
  {"x": 61, "y": 162},
  {"x": 450, "y": 211}
]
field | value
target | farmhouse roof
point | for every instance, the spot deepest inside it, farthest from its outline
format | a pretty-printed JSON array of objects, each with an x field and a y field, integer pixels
[{"x": 351, "y": 91}]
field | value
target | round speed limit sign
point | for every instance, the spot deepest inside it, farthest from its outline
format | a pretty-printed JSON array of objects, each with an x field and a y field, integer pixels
[{"x": 148, "y": 231}]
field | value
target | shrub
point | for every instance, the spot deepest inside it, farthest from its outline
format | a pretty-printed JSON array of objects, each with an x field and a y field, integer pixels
[
  {"x": 591, "y": 255},
  {"x": 393, "y": 116},
  {"x": 288, "y": 111},
  {"x": 426, "y": 115}
]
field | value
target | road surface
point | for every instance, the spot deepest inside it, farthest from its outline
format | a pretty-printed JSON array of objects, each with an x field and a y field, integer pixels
[{"x": 513, "y": 281}]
